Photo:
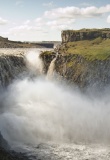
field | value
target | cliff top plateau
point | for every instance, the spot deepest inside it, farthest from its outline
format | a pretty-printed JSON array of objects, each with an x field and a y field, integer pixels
[
  {"x": 5, "y": 43},
  {"x": 92, "y": 44},
  {"x": 84, "y": 34}
]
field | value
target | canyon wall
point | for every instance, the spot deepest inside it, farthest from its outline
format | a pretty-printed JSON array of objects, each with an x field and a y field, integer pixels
[
  {"x": 83, "y": 57},
  {"x": 12, "y": 63},
  {"x": 73, "y": 67},
  {"x": 77, "y": 70},
  {"x": 84, "y": 34}
]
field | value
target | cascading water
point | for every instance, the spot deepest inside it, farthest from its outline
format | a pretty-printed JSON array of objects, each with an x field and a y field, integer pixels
[
  {"x": 50, "y": 72},
  {"x": 40, "y": 110},
  {"x": 34, "y": 63},
  {"x": 51, "y": 69}
]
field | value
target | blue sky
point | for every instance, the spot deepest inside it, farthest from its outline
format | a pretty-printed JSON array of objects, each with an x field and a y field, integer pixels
[{"x": 41, "y": 20}]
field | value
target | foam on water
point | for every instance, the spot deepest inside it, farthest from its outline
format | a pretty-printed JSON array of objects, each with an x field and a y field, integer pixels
[{"x": 40, "y": 110}]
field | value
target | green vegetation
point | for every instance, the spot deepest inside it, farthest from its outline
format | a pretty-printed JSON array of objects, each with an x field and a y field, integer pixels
[
  {"x": 97, "y": 49},
  {"x": 70, "y": 63},
  {"x": 88, "y": 30},
  {"x": 47, "y": 52}
]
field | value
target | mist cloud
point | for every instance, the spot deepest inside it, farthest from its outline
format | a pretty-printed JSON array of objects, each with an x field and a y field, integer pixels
[{"x": 37, "y": 110}]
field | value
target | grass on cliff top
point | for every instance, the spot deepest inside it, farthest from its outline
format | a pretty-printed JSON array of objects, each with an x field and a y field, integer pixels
[
  {"x": 46, "y": 53},
  {"x": 97, "y": 49},
  {"x": 88, "y": 30}
]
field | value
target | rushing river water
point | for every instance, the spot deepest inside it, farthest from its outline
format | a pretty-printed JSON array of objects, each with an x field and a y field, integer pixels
[{"x": 48, "y": 120}]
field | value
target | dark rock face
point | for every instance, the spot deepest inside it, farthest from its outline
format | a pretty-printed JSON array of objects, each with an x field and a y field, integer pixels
[
  {"x": 3, "y": 143},
  {"x": 11, "y": 155},
  {"x": 7, "y": 154},
  {"x": 84, "y": 34},
  {"x": 10, "y": 67},
  {"x": 47, "y": 60},
  {"x": 78, "y": 70},
  {"x": 3, "y": 39}
]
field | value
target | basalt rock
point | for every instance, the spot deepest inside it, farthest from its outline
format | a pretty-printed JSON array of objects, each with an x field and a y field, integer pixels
[
  {"x": 84, "y": 34},
  {"x": 77, "y": 70},
  {"x": 3, "y": 143},
  {"x": 11, "y": 65}
]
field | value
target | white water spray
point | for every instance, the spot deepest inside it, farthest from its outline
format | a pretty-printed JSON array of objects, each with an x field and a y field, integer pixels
[
  {"x": 40, "y": 110},
  {"x": 51, "y": 70},
  {"x": 34, "y": 63}
]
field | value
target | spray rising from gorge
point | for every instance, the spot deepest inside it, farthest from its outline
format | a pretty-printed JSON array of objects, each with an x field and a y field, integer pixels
[{"x": 37, "y": 109}]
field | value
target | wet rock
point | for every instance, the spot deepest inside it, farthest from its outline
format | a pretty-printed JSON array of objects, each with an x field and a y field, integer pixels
[{"x": 3, "y": 143}]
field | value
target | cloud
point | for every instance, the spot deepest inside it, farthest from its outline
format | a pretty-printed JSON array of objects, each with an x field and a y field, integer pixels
[
  {"x": 38, "y": 19},
  {"x": 27, "y": 22},
  {"x": 24, "y": 29},
  {"x": 74, "y": 12},
  {"x": 3, "y": 21},
  {"x": 90, "y": 12},
  {"x": 108, "y": 19},
  {"x": 60, "y": 24},
  {"x": 40, "y": 22},
  {"x": 104, "y": 9},
  {"x": 60, "y": 27},
  {"x": 64, "y": 18},
  {"x": 54, "y": 24},
  {"x": 57, "y": 19}
]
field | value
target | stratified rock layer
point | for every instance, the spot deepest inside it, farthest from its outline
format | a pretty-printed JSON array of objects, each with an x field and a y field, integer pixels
[
  {"x": 12, "y": 63},
  {"x": 84, "y": 34},
  {"x": 78, "y": 70}
]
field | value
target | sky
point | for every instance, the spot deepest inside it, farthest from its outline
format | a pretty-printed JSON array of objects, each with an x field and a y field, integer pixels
[{"x": 43, "y": 20}]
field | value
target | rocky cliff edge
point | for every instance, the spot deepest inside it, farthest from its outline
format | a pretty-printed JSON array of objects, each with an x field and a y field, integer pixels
[{"x": 84, "y": 34}]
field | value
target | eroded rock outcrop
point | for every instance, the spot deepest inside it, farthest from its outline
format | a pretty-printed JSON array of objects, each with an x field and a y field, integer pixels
[
  {"x": 84, "y": 73},
  {"x": 3, "y": 143},
  {"x": 84, "y": 34},
  {"x": 11, "y": 65},
  {"x": 83, "y": 58},
  {"x": 78, "y": 70}
]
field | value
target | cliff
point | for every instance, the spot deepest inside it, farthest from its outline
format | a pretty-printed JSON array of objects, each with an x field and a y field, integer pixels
[
  {"x": 84, "y": 61},
  {"x": 3, "y": 39},
  {"x": 84, "y": 34},
  {"x": 82, "y": 72},
  {"x": 77, "y": 70},
  {"x": 12, "y": 63}
]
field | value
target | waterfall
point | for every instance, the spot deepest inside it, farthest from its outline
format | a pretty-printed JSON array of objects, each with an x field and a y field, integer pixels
[
  {"x": 34, "y": 62},
  {"x": 36, "y": 112},
  {"x": 51, "y": 69},
  {"x": 14, "y": 63}
]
